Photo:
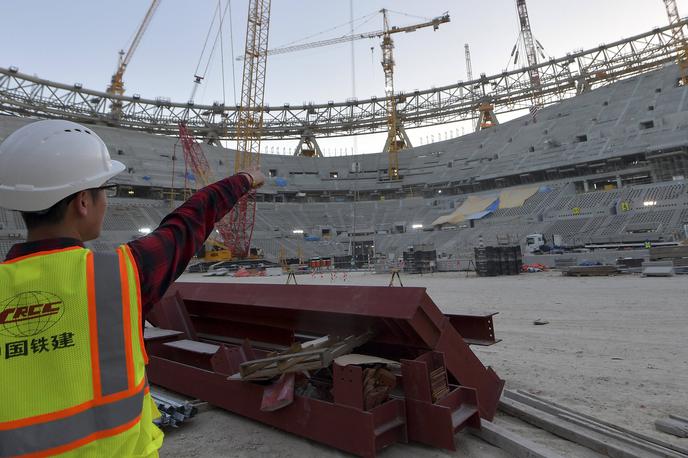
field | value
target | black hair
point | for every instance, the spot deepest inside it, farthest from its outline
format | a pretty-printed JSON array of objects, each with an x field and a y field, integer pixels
[{"x": 54, "y": 214}]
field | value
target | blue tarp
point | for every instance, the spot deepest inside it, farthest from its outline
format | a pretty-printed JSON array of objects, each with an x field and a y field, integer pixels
[
  {"x": 493, "y": 206},
  {"x": 489, "y": 209}
]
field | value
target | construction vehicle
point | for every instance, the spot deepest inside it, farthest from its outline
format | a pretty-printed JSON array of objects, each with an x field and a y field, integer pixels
[
  {"x": 214, "y": 251},
  {"x": 537, "y": 243}
]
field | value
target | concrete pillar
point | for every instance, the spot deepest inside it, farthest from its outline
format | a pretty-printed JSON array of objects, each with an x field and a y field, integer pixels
[
  {"x": 618, "y": 182},
  {"x": 585, "y": 185}
]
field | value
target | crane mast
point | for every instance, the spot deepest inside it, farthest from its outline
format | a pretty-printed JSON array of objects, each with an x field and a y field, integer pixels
[
  {"x": 682, "y": 51},
  {"x": 396, "y": 137},
  {"x": 469, "y": 72},
  {"x": 469, "y": 66},
  {"x": 250, "y": 123},
  {"x": 531, "y": 52}
]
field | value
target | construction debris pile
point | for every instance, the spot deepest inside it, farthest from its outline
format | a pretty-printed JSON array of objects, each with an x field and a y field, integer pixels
[{"x": 356, "y": 368}]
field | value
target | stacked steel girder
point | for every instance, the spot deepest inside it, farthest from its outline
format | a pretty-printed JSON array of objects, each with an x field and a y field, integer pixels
[
  {"x": 206, "y": 331},
  {"x": 560, "y": 78}
]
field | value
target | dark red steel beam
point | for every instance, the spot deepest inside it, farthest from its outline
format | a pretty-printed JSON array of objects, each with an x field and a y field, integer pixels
[
  {"x": 363, "y": 433},
  {"x": 406, "y": 322},
  {"x": 475, "y": 329}
]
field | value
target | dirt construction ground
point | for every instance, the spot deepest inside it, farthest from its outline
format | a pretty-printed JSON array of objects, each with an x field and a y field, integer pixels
[{"x": 615, "y": 348}]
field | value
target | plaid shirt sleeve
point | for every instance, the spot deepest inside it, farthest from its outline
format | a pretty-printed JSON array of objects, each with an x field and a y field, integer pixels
[{"x": 162, "y": 255}]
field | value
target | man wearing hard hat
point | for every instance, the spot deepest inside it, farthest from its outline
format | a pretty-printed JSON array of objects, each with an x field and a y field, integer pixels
[{"x": 72, "y": 359}]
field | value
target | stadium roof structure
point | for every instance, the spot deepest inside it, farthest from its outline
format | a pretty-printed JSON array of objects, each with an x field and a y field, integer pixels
[{"x": 561, "y": 78}]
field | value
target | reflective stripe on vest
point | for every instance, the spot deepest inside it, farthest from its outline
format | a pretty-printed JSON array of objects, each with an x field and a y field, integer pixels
[
  {"x": 44, "y": 436},
  {"x": 111, "y": 351},
  {"x": 103, "y": 414}
]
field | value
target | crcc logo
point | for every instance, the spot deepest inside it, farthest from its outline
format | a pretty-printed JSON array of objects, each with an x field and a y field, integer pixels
[{"x": 29, "y": 313}]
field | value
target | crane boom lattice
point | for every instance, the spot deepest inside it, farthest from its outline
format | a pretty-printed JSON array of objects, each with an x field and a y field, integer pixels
[
  {"x": 250, "y": 122},
  {"x": 682, "y": 45},
  {"x": 531, "y": 52}
]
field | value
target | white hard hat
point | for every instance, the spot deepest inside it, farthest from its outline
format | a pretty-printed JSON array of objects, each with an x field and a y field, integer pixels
[{"x": 46, "y": 161}]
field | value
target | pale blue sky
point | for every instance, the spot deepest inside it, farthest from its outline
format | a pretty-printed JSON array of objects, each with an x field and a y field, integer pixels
[{"x": 77, "y": 41}]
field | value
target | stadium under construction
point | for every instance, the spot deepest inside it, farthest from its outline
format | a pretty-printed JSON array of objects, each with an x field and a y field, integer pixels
[{"x": 591, "y": 177}]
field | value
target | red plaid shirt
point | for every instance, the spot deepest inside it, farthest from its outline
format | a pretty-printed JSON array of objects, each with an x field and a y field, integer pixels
[{"x": 162, "y": 255}]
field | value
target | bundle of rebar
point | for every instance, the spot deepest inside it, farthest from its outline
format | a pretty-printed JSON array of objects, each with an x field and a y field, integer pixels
[{"x": 173, "y": 411}]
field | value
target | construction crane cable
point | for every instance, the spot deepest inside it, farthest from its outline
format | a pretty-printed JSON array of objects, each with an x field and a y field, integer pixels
[
  {"x": 222, "y": 54},
  {"x": 205, "y": 42},
  {"x": 231, "y": 43},
  {"x": 212, "y": 50},
  {"x": 368, "y": 18},
  {"x": 409, "y": 15},
  {"x": 363, "y": 23}
]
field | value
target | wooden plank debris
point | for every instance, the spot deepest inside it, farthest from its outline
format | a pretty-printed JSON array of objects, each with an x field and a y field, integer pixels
[{"x": 308, "y": 356}]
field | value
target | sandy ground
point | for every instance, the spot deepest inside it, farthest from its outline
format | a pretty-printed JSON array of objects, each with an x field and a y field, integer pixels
[{"x": 615, "y": 348}]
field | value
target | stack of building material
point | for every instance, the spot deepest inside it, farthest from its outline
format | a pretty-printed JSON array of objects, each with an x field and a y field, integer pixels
[
  {"x": 658, "y": 269},
  {"x": 677, "y": 255},
  {"x": 420, "y": 259},
  {"x": 590, "y": 271},
  {"x": 630, "y": 265},
  {"x": 500, "y": 260},
  {"x": 561, "y": 263},
  {"x": 173, "y": 410}
]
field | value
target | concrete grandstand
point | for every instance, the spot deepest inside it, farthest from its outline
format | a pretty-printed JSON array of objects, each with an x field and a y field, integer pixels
[{"x": 607, "y": 166}]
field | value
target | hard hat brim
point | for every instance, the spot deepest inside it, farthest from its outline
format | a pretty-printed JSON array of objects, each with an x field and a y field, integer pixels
[{"x": 33, "y": 199}]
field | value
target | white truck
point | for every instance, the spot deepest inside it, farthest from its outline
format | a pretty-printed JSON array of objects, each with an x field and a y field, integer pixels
[{"x": 535, "y": 243}]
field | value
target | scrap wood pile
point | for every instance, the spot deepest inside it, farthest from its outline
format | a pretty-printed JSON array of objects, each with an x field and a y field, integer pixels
[
  {"x": 305, "y": 369},
  {"x": 357, "y": 368},
  {"x": 311, "y": 355}
]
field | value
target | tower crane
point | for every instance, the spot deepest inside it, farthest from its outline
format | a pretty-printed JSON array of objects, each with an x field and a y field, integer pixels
[
  {"x": 249, "y": 124},
  {"x": 674, "y": 17},
  {"x": 396, "y": 136},
  {"x": 116, "y": 86}
]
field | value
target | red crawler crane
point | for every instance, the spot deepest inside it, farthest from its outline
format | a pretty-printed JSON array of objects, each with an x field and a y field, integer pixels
[{"x": 203, "y": 175}]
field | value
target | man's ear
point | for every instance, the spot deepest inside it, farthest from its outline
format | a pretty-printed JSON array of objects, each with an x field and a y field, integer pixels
[{"x": 81, "y": 203}]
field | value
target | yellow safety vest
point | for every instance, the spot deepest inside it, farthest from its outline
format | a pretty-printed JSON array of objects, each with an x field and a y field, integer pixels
[{"x": 72, "y": 358}]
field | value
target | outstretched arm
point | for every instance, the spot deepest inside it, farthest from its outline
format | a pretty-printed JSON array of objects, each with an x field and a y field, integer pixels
[{"x": 162, "y": 255}]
